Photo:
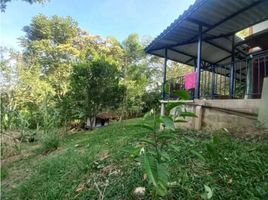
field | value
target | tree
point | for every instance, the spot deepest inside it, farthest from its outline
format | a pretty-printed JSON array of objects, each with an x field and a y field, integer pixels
[
  {"x": 134, "y": 50},
  {"x": 95, "y": 87},
  {"x": 134, "y": 75},
  {"x": 78, "y": 74},
  {"x": 49, "y": 47},
  {"x": 4, "y": 2}
]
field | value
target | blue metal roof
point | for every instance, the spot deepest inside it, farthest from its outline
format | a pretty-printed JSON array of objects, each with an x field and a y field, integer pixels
[{"x": 220, "y": 20}]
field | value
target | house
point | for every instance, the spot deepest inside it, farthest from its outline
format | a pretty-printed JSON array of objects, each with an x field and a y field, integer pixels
[{"x": 229, "y": 70}]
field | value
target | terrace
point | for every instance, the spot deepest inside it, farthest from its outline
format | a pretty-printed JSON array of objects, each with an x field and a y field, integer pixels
[{"x": 225, "y": 65}]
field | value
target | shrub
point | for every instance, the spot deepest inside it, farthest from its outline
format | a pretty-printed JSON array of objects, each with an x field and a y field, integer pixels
[{"x": 50, "y": 141}]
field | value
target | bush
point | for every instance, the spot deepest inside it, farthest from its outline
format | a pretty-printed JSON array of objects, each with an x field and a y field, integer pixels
[
  {"x": 10, "y": 146},
  {"x": 50, "y": 141}
]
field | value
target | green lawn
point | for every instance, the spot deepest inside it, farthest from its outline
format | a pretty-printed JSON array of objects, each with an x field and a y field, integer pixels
[{"x": 98, "y": 165}]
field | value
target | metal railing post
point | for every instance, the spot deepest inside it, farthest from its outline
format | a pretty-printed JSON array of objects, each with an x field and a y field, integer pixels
[
  {"x": 232, "y": 70},
  {"x": 164, "y": 76},
  {"x": 213, "y": 82},
  {"x": 198, "y": 68}
]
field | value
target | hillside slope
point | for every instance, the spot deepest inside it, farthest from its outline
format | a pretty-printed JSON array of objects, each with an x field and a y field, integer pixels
[{"x": 98, "y": 165}]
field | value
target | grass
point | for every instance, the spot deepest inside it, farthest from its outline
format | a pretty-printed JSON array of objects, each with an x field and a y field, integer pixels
[{"x": 98, "y": 165}]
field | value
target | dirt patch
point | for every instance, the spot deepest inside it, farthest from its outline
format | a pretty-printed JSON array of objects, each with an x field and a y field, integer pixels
[
  {"x": 110, "y": 170},
  {"x": 103, "y": 155},
  {"x": 247, "y": 132}
]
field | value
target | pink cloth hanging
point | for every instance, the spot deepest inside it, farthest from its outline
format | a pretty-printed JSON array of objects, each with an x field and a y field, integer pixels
[{"x": 189, "y": 80}]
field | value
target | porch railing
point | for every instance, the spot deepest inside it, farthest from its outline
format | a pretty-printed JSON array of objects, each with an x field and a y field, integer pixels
[{"x": 215, "y": 81}]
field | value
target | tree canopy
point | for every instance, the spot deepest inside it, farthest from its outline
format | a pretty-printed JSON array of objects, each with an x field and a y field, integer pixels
[
  {"x": 77, "y": 74},
  {"x": 3, "y": 3}
]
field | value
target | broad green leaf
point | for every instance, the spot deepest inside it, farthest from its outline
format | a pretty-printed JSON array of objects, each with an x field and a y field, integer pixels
[
  {"x": 148, "y": 141},
  {"x": 183, "y": 94},
  {"x": 150, "y": 167},
  {"x": 170, "y": 106},
  {"x": 148, "y": 115},
  {"x": 168, "y": 122},
  {"x": 161, "y": 190},
  {"x": 207, "y": 194},
  {"x": 163, "y": 178},
  {"x": 198, "y": 155},
  {"x": 146, "y": 126},
  {"x": 187, "y": 114},
  {"x": 180, "y": 120}
]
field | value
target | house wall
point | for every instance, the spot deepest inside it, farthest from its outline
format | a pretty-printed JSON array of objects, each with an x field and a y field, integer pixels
[
  {"x": 263, "y": 113},
  {"x": 260, "y": 27},
  {"x": 216, "y": 114}
]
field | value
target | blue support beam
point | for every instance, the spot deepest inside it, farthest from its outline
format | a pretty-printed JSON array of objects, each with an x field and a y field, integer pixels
[
  {"x": 170, "y": 58},
  {"x": 198, "y": 67},
  {"x": 213, "y": 82},
  {"x": 164, "y": 75},
  {"x": 232, "y": 70}
]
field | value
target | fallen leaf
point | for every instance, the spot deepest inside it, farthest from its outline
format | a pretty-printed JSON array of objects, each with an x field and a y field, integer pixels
[
  {"x": 144, "y": 177},
  {"x": 139, "y": 191},
  {"x": 103, "y": 155},
  {"x": 80, "y": 187}
]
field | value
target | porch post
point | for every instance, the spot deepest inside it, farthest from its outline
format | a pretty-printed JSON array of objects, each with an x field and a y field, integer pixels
[
  {"x": 164, "y": 76},
  {"x": 232, "y": 70},
  {"x": 213, "y": 82},
  {"x": 198, "y": 66},
  {"x": 162, "y": 110}
]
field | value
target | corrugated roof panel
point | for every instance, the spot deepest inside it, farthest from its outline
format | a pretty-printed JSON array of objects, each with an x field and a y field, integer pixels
[
  {"x": 213, "y": 54},
  {"x": 174, "y": 55},
  {"x": 189, "y": 49},
  {"x": 221, "y": 17}
]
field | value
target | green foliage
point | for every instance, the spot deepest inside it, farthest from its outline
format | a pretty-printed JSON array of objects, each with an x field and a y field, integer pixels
[
  {"x": 51, "y": 122},
  {"x": 240, "y": 173},
  {"x": 182, "y": 94},
  {"x": 95, "y": 87},
  {"x": 4, "y": 2},
  {"x": 151, "y": 101},
  {"x": 4, "y": 173},
  {"x": 138, "y": 74},
  {"x": 55, "y": 49},
  {"x": 50, "y": 141},
  {"x": 158, "y": 145},
  {"x": 133, "y": 48},
  {"x": 58, "y": 30}
]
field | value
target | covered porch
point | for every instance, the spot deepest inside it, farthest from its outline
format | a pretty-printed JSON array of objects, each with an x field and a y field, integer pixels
[{"x": 225, "y": 65}]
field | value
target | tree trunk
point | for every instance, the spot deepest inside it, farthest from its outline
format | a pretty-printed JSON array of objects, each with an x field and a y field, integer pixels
[{"x": 91, "y": 123}]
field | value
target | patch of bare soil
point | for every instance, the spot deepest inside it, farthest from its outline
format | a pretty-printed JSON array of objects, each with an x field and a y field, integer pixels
[
  {"x": 103, "y": 155},
  {"x": 248, "y": 132}
]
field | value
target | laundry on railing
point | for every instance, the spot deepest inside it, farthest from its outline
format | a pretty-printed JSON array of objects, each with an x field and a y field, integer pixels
[{"x": 190, "y": 80}]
